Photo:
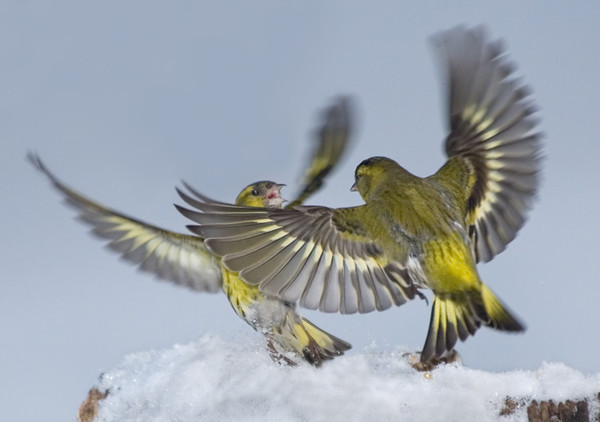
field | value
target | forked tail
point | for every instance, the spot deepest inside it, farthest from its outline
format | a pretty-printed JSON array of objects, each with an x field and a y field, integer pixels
[
  {"x": 454, "y": 318},
  {"x": 500, "y": 318},
  {"x": 306, "y": 339}
]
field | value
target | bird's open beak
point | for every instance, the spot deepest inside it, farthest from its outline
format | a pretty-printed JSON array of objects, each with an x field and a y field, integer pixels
[
  {"x": 354, "y": 187},
  {"x": 274, "y": 199}
]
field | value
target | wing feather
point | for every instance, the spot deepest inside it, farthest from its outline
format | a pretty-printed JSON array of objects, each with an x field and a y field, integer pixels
[
  {"x": 179, "y": 258},
  {"x": 492, "y": 127},
  {"x": 331, "y": 141},
  {"x": 302, "y": 255}
]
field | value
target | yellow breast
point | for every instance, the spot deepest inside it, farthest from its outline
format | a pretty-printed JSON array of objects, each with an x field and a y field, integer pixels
[{"x": 240, "y": 295}]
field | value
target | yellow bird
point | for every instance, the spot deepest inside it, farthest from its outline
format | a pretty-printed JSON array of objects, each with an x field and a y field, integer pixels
[
  {"x": 412, "y": 232},
  {"x": 184, "y": 260}
]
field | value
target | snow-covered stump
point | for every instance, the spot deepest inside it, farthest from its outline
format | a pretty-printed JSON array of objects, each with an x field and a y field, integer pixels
[
  {"x": 214, "y": 380},
  {"x": 565, "y": 411},
  {"x": 550, "y": 411},
  {"x": 89, "y": 408},
  {"x": 545, "y": 411}
]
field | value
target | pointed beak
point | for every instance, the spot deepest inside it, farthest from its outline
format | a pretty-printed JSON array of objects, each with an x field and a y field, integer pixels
[
  {"x": 354, "y": 187},
  {"x": 274, "y": 199}
]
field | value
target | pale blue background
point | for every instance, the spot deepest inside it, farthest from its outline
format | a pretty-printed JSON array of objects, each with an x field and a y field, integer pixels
[{"x": 124, "y": 99}]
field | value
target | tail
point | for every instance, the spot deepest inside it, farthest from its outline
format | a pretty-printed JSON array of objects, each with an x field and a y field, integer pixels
[
  {"x": 500, "y": 318},
  {"x": 307, "y": 340},
  {"x": 455, "y": 318}
]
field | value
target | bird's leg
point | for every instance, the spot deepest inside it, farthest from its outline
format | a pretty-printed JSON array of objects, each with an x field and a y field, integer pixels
[
  {"x": 415, "y": 360},
  {"x": 276, "y": 356}
]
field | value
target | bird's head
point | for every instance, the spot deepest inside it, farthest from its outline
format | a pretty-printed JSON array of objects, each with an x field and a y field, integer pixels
[
  {"x": 371, "y": 173},
  {"x": 261, "y": 194}
]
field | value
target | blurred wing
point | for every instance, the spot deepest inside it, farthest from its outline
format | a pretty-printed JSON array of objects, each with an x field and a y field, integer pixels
[
  {"x": 492, "y": 127},
  {"x": 181, "y": 259},
  {"x": 332, "y": 139},
  {"x": 315, "y": 255}
]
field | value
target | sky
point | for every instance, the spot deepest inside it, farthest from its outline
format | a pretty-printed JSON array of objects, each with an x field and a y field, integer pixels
[{"x": 124, "y": 100}]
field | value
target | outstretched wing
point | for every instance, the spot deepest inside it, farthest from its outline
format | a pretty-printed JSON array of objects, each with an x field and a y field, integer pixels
[
  {"x": 332, "y": 140},
  {"x": 492, "y": 127},
  {"x": 306, "y": 254},
  {"x": 179, "y": 258}
]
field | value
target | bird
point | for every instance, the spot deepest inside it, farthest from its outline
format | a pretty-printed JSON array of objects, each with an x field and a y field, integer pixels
[
  {"x": 411, "y": 233},
  {"x": 184, "y": 260}
]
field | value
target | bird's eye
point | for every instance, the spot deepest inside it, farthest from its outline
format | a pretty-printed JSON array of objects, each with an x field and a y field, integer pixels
[{"x": 254, "y": 192}]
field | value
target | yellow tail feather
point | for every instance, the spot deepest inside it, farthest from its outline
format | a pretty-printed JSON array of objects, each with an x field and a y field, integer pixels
[
  {"x": 450, "y": 320},
  {"x": 457, "y": 317},
  {"x": 308, "y": 340},
  {"x": 499, "y": 317}
]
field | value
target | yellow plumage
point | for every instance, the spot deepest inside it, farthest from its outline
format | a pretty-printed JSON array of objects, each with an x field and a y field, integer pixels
[
  {"x": 412, "y": 232},
  {"x": 277, "y": 320},
  {"x": 184, "y": 259}
]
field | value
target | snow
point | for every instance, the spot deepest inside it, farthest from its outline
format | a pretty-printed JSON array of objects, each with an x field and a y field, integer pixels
[{"x": 211, "y": 379}]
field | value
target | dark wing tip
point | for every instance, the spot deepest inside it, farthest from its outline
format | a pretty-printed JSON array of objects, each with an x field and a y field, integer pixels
[
  {"x": 332, "y": 140},
  {"x": 37, "y": 162}
]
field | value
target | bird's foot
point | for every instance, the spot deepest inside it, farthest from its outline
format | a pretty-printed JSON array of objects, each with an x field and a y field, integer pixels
[
  {"x": 277, "y": 356},
  {"x": 415, "y": 360}
]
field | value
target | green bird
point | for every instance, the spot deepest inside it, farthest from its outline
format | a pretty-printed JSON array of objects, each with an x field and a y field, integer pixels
[
  {"x": 184, "y": 260},
  {"x": 412, "y": 232}
]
